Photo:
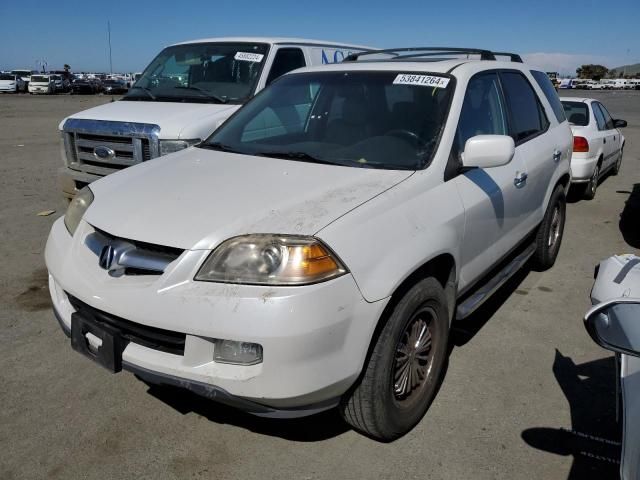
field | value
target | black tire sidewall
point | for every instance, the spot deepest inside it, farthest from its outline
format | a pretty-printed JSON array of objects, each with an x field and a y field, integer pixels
[
  {"x": 393, "y": 418},
  {"x": 545, "y": 256}
]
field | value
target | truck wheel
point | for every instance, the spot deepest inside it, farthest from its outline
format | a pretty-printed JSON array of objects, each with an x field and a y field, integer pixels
[
  {"x": 405, "y": 367},
  {"x": 549, "y": 235},
  {"x": 592, "y": 186}
]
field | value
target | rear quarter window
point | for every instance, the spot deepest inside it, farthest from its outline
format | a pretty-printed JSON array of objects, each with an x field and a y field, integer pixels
[{"x": 549, "y": 91}]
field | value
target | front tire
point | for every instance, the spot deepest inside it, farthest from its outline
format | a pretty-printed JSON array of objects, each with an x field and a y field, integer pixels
[
  {"x": 550, "y": 231},
  {"x": 405, "y": 367},
  {"x": 592, "y": 186},
  {"x": 616, "y": 167}
]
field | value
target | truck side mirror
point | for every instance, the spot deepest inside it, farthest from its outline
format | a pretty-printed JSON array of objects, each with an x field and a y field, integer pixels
[
  {"x": 486, "y": 151},
  {"x": 615, "y": 325},
  {"x": 619, "y": 123}
]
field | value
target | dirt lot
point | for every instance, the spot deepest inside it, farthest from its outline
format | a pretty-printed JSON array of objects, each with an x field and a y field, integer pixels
[{"x": 523, "y": 373}]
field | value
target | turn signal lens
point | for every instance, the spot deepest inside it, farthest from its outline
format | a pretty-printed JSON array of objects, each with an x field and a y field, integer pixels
[{"x": 580, "y": 144}]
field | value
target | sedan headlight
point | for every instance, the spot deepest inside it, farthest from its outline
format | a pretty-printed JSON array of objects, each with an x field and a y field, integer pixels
[
  {"x": 170, "y": 146},
  {"x": 77, "y": 208},
  {"x": 265, "y": 259}
]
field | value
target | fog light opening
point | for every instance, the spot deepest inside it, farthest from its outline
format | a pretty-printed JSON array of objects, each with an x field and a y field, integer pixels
[{"x": 237, "y": 353}]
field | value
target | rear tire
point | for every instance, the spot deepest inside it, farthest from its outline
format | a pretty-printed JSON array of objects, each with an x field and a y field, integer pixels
[
  {"x": 406, "y": 364},
  {"x": 550, "y": 231}
]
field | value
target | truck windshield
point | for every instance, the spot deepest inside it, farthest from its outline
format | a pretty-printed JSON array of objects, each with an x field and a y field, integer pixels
[
  {"x": 5, "y": 76},
  {"x": 202, "y": 72},
  {"x": 39, "y": 79},
  {"x": 384, "y": 119}
]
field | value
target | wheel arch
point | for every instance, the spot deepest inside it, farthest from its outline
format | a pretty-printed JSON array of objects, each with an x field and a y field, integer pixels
[{"x": 443, "y": 268}]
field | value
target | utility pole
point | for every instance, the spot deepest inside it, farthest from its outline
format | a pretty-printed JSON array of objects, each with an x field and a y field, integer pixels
[{"x": 109, "y": 34}]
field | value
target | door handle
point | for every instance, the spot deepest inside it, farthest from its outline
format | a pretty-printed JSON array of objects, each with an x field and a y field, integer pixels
[
  {"x": 604, "y": 140},
  {"x": 557, "y": 155},
  {"x": 520, "y": 180}
]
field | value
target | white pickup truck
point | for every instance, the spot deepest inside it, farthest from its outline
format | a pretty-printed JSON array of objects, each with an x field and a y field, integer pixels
[
  {"x": 184, "y": 94},
  {"x": 314, "y": 251}
]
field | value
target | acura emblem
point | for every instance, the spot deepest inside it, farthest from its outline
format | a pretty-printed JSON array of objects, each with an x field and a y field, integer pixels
[
  {"x": 106, "y": 257},
  {"x": 103, "y": 153}
]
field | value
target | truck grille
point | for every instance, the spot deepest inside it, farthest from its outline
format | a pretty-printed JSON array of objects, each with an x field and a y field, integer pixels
[{"x": 131, "y": 143}]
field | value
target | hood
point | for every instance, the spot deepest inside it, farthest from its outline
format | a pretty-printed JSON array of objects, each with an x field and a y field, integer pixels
[
  {"x": 176, "y": 120},
  {"x": 7, "y": 81},
  {"x": 196, "y": 198}
]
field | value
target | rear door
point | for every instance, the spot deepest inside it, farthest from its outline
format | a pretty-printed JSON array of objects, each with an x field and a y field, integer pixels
[{"x": 492, "y": 197}]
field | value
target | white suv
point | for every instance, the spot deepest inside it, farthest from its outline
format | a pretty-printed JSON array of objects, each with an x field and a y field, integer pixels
[{"x": 314, "y": 251}]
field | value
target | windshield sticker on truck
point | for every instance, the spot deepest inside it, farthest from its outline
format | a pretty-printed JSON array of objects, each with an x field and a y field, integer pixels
[
  {"x": 249, "y": 57},
  {"x": 422, "y": 80}
]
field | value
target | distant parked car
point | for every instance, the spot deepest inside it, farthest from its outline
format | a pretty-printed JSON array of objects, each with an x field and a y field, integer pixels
[
  {"x": 597, "y": 143},
  {"x": 61, "y": 84},
  {"x": 614, "y": 324},
  {"x": 114, "y": 86},
  {"x": 25, "y": 75},
  {"x": 42, "y": 84},
  {"x": 82, "y": 86},
  {"x": 12, "y": 83}
]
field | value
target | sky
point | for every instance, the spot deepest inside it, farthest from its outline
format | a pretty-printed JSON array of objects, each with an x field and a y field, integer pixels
[{"x": 557, "y": 35}]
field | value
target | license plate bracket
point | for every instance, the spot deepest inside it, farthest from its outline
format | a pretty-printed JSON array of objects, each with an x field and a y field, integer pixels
[{"x": 109, "y": 353}]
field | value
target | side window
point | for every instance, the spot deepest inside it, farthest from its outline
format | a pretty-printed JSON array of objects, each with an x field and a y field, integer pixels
[
  {"x": 602, "y": 123},
  {"x": 527, "y": 115},
  {"x": 542, "y": 79},
  {"x": 607, "y": 118},
  {"x": 483, "y": 111},
  {"x": 286, "y": 59}
]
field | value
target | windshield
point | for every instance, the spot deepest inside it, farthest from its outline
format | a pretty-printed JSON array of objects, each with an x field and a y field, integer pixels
[
  {"x": 383, "y": 119},
  {"x": 23, "y": 73},
  {"x": 39, "y": 78},
  {"x": 202, "y": 72},
  {"x": 5, "y": 76},
  {"x": 577, "y": 113}
]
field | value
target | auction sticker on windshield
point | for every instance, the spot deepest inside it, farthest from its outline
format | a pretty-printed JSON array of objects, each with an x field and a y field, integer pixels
[
  {"x": 422, "y": 80},
  {"x": 249, "y": 57}
]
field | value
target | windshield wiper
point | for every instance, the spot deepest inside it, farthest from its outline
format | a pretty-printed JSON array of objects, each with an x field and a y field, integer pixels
[
  {"x": 145, "y": 90},
  {"x": 204, "y": 93},
  {"x": 219, "y": 146},
  {"x": 301, "y": 156}
]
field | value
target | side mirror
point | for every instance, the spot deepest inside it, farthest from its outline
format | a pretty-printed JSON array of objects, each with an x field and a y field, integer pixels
[
  {"x": 619, "y": 123},
  {"x": 615, "y": 325},
  {"x": 486, "y": 151}
]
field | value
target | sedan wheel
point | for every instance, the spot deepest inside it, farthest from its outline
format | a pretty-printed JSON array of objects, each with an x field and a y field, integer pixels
[{"x": 592, "y": 186}]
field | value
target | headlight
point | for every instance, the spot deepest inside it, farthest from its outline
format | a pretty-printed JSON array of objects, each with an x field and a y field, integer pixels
[
  {"x": 170, "y": 146},
  {"x": 271, "y": 260},
  {"x": 76, "y": 209}
]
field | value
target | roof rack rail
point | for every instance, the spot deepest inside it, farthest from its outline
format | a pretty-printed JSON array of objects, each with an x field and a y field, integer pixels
[
  {"x": 433, "y": 51},
  {"x": 513, "y": 56}
]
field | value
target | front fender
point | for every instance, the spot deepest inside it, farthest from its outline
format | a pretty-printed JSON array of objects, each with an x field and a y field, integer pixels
[{"x": 385, "y": 240}]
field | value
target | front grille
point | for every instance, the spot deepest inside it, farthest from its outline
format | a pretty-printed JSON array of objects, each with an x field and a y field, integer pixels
[
  {"x": 131, "y": 143},
  {"x": 151, "y": 337},
  {"x": 132, "y": 257}
]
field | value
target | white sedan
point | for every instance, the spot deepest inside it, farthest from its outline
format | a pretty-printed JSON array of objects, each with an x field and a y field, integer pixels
[
  {"x": 11, "y": 83},
  {"x": 597, "y": 142}
]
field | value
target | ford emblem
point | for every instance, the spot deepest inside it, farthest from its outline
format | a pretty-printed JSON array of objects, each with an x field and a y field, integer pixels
[{"x": 103, "y": 153}]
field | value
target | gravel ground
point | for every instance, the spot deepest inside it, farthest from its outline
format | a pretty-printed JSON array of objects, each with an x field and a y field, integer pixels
[{"x": 522, "y": 374}]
